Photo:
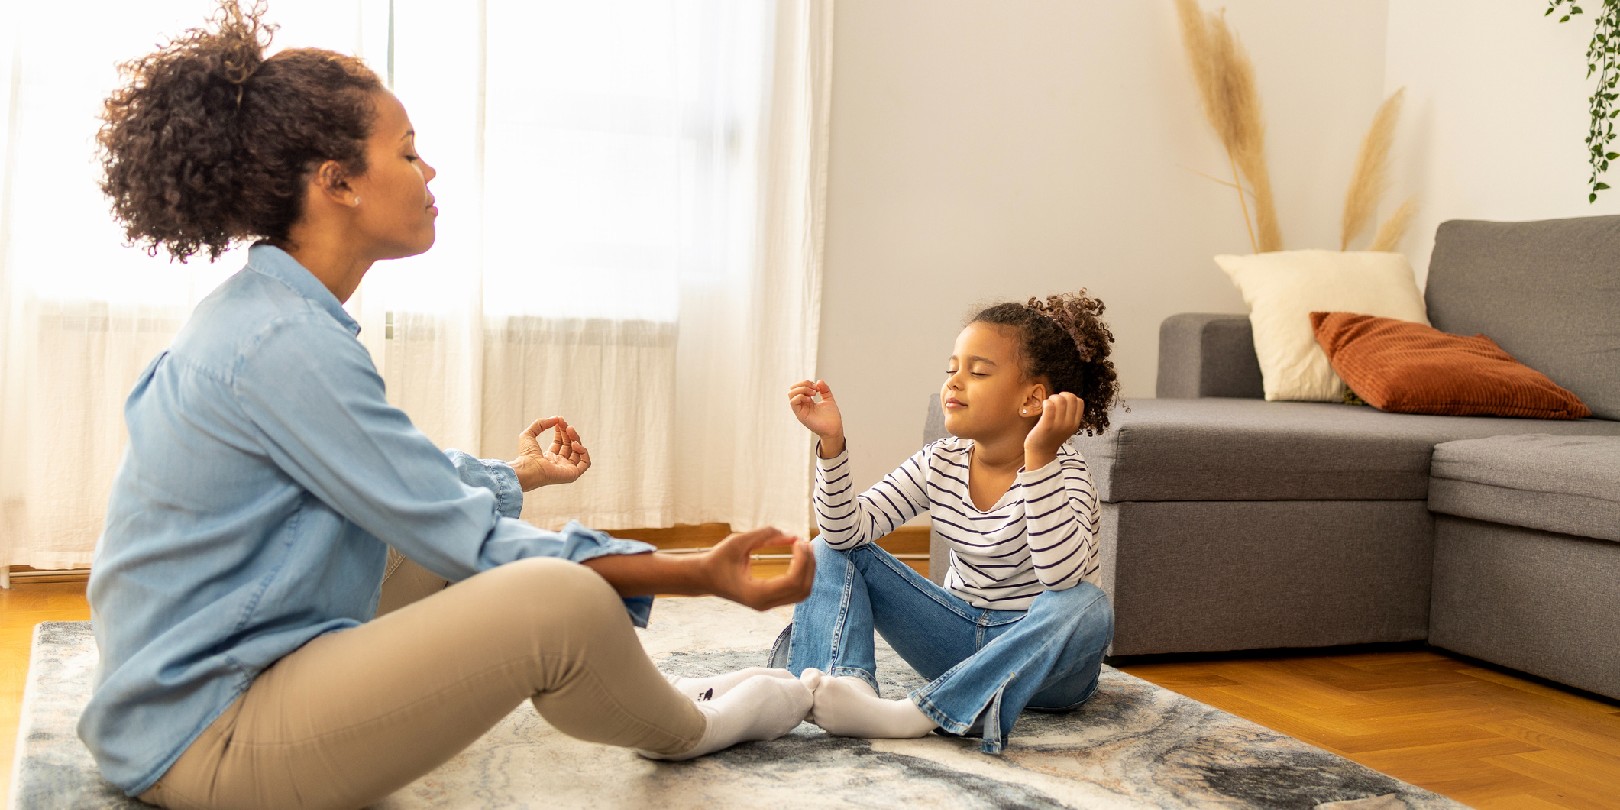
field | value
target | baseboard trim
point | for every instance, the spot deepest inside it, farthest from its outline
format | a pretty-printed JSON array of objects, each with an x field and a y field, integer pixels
[{"x": 19, "y": 574}]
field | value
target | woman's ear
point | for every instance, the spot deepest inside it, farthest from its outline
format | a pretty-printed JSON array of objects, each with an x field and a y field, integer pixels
[{"x": 332, "y": 182}]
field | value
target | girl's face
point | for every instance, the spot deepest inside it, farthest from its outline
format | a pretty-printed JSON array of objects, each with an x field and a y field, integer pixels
[
  {"x": 395, "y": 215},
  {"x": 985, "y": 384}
]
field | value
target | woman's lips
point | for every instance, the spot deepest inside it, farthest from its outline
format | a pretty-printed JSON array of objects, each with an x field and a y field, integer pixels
[{"x": 954, "y": 403}]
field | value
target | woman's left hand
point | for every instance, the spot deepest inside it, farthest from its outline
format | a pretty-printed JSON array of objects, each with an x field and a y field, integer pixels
[
  {"x": 726, "y": 570},
  {"x": 562, "y": 461},
  {"x": 1060, "y": 419}
]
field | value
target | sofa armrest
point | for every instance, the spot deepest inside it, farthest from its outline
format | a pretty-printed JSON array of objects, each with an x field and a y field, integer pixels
[
  {"x": 1204, "y": 354},
  {"x": 939, "y": 553}
]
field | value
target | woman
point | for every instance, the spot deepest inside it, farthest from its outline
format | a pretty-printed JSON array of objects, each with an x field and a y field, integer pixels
[{"x": 235, "y": 586}]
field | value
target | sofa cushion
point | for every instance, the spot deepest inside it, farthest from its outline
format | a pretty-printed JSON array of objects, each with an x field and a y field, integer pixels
[
  {"x": 1415, "y": 368},
  {"x": 1252, "y": 450},
  {"x": 1547, "y": 292},
  {"x": 1564, "y": 484},
  {"x": 1282, "y": 289}
]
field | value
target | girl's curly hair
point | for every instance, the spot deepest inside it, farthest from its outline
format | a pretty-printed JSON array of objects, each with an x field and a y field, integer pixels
[
  {"x": 1064, "y": 341},
  {"x": 208, "y": 142}
]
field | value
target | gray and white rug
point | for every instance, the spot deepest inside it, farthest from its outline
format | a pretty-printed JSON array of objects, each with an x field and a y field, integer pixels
[{"x": 1132, "y": 745}]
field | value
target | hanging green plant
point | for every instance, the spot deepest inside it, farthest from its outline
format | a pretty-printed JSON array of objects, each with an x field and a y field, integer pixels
[{"x": 1600, "y": 61}]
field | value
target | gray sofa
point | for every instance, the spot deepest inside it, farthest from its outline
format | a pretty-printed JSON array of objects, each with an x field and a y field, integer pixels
[{"x": 1232, "y": 523}]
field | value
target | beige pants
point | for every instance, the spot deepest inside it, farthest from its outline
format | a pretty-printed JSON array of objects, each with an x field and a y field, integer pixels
[{"x": 354, "y": 715}]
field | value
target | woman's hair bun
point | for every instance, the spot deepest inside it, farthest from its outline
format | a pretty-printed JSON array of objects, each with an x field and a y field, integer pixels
[
  {"x": 242, "y": 39},
  {"x": 209, "y": 142}
]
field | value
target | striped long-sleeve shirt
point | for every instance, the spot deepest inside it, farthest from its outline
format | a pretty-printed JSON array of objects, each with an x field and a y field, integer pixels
[{"x": 1041, "y": 535}]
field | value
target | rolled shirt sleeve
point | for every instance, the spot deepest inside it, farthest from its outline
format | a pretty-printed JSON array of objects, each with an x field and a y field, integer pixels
[
  {"x": 312, "y": 392},
  {"x": 496, "y": 476}
]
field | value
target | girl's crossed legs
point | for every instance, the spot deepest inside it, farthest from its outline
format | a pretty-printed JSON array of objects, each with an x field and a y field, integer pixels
[
  {"x": 356, "y": 714},
  {"x": 983, "y": 665}
]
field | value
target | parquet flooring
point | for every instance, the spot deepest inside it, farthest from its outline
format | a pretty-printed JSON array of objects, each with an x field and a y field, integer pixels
[{"x": 1481, "y": 735}]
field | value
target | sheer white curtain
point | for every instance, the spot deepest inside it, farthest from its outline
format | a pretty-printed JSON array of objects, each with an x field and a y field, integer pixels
[
  {"x": 80, "y": 314},
  {"x": 630, "y": 237}
]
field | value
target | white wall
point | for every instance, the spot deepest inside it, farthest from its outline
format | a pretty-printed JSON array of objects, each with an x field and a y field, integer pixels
[
  {"x": 992, "y": 151},
  {"x": 1496, "y": 113}
]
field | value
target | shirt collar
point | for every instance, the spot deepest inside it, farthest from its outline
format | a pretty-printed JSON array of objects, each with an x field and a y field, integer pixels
[{"x": 276, "y": 263}]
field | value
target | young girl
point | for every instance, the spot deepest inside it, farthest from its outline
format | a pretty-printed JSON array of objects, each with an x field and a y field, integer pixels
[{"x": 1021, "y": 621}]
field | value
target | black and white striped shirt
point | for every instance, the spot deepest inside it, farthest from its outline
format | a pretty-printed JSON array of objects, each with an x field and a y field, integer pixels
[{"x": 1041, "y": 535}]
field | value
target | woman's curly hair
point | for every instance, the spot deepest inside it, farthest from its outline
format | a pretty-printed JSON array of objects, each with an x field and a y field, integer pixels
[
  {"x": 209, "y": 143},
  {"x": 1064, "y": 341}
]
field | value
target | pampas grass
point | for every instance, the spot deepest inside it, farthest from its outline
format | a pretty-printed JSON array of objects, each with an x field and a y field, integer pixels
[
  {"x": 1394, "y": 229},
  {"x": 1367, "y": 182},
  {"x": 1225, "y": 78}
]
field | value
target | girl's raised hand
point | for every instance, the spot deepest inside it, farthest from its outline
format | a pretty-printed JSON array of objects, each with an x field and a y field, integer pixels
[
  {"x": 1060, "y": 418},
  {"x": 813, "y": 404}
]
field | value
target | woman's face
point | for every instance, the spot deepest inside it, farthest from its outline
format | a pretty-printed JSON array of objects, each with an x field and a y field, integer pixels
[{"x": 395, "y": 213}]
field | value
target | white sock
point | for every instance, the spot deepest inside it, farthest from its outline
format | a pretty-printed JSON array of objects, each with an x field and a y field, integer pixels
[
  {"x": 848, "y": 707},
  {"x": 760, "y": 708},
  {"x": 715, "y": 686}
]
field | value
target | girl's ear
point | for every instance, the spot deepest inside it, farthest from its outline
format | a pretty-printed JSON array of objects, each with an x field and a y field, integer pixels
[{"x": 1035, "y": 398}]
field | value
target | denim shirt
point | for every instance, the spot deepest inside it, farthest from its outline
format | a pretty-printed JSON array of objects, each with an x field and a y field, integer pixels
[{"x": 264, "y": 473}]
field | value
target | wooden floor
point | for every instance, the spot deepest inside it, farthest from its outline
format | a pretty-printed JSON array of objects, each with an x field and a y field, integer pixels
[
  {"x": 22, "y": 607},
  {"x": 1478, "y": 734}
]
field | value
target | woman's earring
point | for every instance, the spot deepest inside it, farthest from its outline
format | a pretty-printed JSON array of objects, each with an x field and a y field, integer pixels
[
  {"x": 1023, "y": 412},
  {"x": 357, "y": 201}
]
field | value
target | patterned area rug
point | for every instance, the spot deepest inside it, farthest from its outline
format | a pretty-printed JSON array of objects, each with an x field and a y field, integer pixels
[{"x": 1132, "y": 745}]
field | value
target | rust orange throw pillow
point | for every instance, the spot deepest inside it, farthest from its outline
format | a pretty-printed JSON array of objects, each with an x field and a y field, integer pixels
[{"x": 1414, "y": 368}]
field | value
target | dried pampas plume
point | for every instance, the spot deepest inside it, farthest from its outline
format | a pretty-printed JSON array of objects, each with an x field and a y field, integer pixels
[
  {"x": 1394, "y": 229},
  {"x": 1224, "y": 76},
  {"x": 1368, "y": 181},
  {"x": 1225, "y": 79}
]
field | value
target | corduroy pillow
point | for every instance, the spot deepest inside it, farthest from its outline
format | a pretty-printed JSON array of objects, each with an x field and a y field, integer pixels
[
  {"x": 1284, "y": 287},
  {"x": 1414, "y": 368}
]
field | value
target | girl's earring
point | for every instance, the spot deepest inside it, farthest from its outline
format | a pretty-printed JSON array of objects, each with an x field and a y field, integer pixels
[{"x": 1023, "y": 412}]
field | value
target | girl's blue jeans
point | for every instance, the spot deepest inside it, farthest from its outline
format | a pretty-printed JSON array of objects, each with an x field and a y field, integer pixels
[{"x": 984, "y": 666}]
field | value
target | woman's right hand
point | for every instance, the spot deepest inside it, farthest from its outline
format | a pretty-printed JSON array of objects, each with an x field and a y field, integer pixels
[
  {"x": 726, "y": 570},
  {"x": 563, "y": 461},
  {"x": 820, "y": 416}
]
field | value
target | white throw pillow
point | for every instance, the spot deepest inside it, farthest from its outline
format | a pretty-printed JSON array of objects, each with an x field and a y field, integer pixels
[{"x": 1283, "y": 288}]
